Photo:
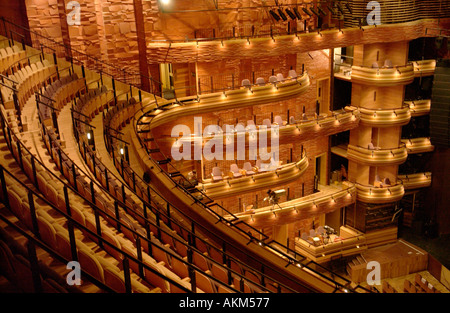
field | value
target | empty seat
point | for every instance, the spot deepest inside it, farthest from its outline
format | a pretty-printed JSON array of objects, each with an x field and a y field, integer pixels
[
  {"x": 247, "y": 167},
  {"x": 90, "y": 264},
  {"x": 246, "y": 83},
  {"x": 235, "y": 171},
  {"x": 273, "y": 80},
  {"x": 266, "y": 122},
  {"x": 292, "y": 74},
  {"x": 388, "y": 63},
  {"x": 280, "y": 77},
  {"x": 260, "y": 81},
  {"x": 216, "y": 174},
  {"x": 278, "y": 120}
]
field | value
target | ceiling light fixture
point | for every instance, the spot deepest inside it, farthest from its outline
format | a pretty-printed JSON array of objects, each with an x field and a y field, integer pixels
[
  {"x": 297, "y": 13},
  {"x": 282, "y": 15},
  {"x": 274, "y": 15},
  {"x": 307, "y": 12},
  {"x": 291, "y": 15}
]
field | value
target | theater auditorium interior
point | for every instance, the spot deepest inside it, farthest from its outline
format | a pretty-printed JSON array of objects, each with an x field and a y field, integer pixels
[{"x": 219, "y": 146}]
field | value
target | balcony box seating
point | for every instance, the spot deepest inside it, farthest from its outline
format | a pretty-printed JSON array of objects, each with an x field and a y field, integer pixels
[
  {"x": 279, "y": 121},
  {"x": 292, "y": 74},
  {"x": 273, "y": 80},
  {"x": 260, "y": 81},
  {"x": 248, "y": 169},
  {"x": 234, "y": 171},
  {"x": 246, "y": 83}
]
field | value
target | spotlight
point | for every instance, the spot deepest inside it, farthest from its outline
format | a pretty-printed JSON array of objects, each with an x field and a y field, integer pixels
[
  {"x": 297, "y": 13},
  {"x": 281, "y": 13},
  {"x": 291, "y": 15},
  {"x": 322, "y": 11},
  {"x": 274, "y": 15},
  {"x": 307, "y": 12},
  {"x": 347, "y": 5},
  {"x": 314, "y": 11},
  {"x": 330, "y": 9},
  {"x": 165, "y": 1},
  {"x": 340, "y": 8}
]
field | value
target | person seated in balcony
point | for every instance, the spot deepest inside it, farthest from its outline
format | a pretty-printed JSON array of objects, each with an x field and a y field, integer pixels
[
  {"x": 371, "y": 146},
  {"x": 378, "y": 182},
  {"x": 192, "y": 178},
  {"x": 344, "y": 174}
]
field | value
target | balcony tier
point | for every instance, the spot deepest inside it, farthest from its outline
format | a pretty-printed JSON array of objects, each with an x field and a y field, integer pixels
[
  {"x": 415, "y": 181},
  {"x": 383, "y": 77},
  {"x": 372, "y": 194},
  {"x": 377, "y": 157},
  {"x": 419, "y": 107},
  {"x": 384, "y": 118},
  {"x": 418, "y": 145},
  {"x": 424, "y": 68},
  {"x": 261, "y": 180}
]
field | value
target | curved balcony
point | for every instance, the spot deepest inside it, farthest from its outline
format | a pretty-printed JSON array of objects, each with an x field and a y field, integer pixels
[
  {"x": 386, "y": 194},
  {"x": 384, "y": 118},
  {"x": 419, "y": 107},
  {"x": 383, "y": 77},
  {"x": 415, "y": 181},
  {"x": 246, "y": 183},
  {"x": 377, "y": 157},
  {"x": 232, "y": 99},
  {"x": 418, "y": 145},
  {"x": 424, "y": 68},
  {"x": 308, "y": 128},
  {"x": 329, "y": 199}
]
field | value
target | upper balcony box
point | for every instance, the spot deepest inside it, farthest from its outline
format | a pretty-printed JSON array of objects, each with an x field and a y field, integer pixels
[
  {"x": 383, "y": 76},
  {"x": 383, "y": 194},
  {"x": 419, "y": 107},
  {"x": 377, "y": 157},
  {"x": 383, "y": 117}
]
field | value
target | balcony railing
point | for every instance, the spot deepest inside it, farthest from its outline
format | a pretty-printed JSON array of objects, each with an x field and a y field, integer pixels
[
  {"x": 239, "y": 97},
  {"x": 419, "y": 107},
  {"x": 383, "y": 117},
  {"x": 377, "y": 157},
  {"x": 262, "y": 179},
  {"x": 415, "y": 181},
  {"x": 381, "y": 77},
  {"x": 424, "y": 68},
  {"x": 386, "y": 194},
  {"x": 418, "y": 145},
  {"x": 300, "y": 208}
]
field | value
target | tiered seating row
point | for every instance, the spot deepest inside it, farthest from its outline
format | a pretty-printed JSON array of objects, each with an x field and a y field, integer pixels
[
  {"x": 9, "y": 56},
  {"x": 26, "y": 81},
  {"x": 16, "y": 264},
  {"x": 58, "y": 94},
  {"x": 50, "y": 224}
]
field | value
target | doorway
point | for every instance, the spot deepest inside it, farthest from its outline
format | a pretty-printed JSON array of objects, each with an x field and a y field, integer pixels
[
  {"x": 323, "y": 96},
  {"x": 167, "y": 80},
  {"x": 320, "y": 174}
]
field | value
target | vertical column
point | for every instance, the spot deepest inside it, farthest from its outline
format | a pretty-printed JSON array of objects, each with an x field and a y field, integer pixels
[{"x": 142, "y": 44}]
